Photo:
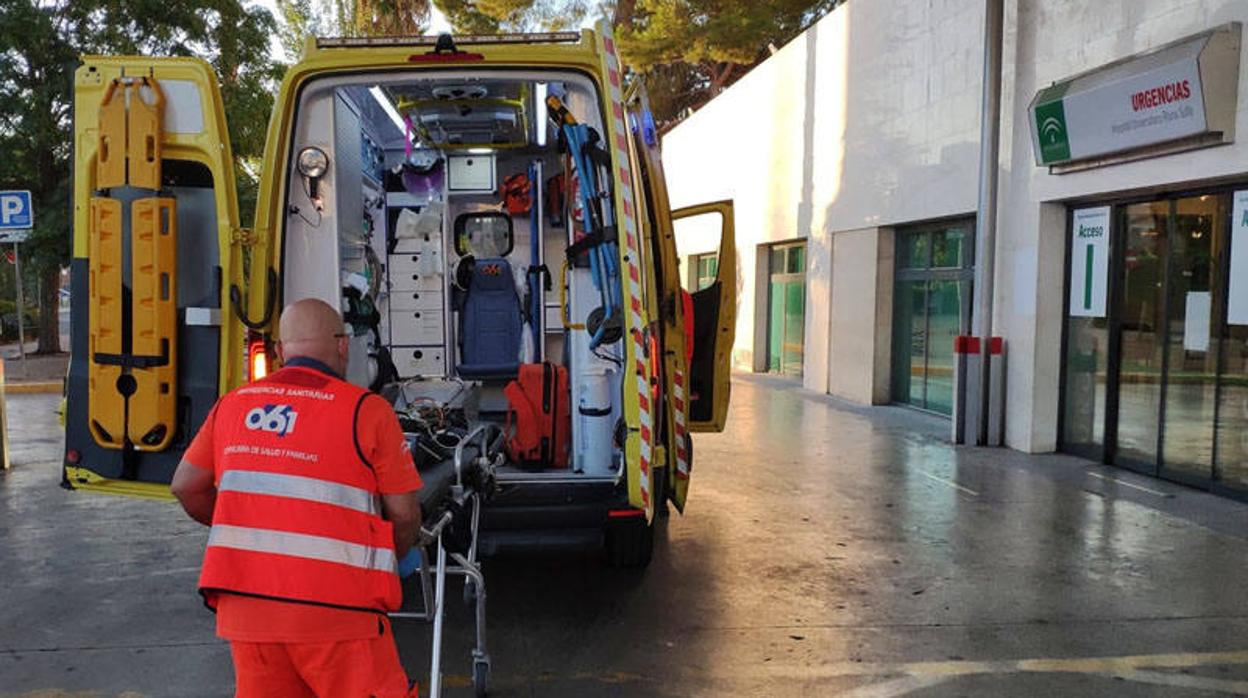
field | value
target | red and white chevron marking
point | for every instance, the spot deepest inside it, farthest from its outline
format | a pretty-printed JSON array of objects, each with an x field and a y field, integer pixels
[
  {"x": 679, "y": 407},
  {"x": 632, "y": 248}
]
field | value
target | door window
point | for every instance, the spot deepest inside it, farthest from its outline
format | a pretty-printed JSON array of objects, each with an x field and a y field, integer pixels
[
  {"x": 931, "y": 308},
  {"x": 1161, "y": 384},
  {"x": 705, "y": 270},
  {"x": 1141, "y": 340},
  {"x": 1191, "y": 345},
  {"x": 786, "y": 316}
]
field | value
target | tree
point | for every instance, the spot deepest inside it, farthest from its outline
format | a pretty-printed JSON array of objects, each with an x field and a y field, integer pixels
[
  {"x": 701, "y": 46},
  {"x": 494, "y": 16},
  {"x": 688, "y": 50},
  {"x": 384, "y": 17},
  {"x": 42, "y": 40},
  {"x": 303, "y": 19}
]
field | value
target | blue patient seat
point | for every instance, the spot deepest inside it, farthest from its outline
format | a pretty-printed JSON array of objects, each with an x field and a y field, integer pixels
[{"x": 490, "y": 323}]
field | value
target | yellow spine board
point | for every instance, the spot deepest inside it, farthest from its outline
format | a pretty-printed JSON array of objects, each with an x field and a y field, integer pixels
[
  {"x": 110, "y": 162},
  {"x": 154, "y": 318},
  {"x": 129, "y": 153},
  {"x": 107, "y": 409},
  {"x": 143, "y": 135}
]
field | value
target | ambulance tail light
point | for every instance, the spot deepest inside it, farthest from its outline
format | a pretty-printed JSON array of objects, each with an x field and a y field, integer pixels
[{"x": 257, "y": 357}]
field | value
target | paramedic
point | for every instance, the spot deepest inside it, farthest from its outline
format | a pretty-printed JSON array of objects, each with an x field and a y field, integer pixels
[{"x": 300, "y": 566}]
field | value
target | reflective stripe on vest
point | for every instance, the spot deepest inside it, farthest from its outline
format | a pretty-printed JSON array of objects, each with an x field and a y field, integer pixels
[
  {"x": 299, "y": 517},
  {"x": 260, "y": 540},
  {"x": 299, "y": 487}
]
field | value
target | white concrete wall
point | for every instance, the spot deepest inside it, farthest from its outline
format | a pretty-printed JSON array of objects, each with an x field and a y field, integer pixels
[
  {"x": 861, "y": 315},
  {"x": 825, "y": 144},
  {"x": 871, "y": 119},
  {"x": 1048, "y": 41}
]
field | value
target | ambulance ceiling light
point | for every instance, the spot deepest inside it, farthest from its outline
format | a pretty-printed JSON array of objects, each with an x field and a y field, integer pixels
[
  {"x": 540, "y": 101},
  {"x": 379, "y": 95}
]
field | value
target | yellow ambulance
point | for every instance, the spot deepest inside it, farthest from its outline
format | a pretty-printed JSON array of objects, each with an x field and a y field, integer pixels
[{"x": 476, "y": 206}]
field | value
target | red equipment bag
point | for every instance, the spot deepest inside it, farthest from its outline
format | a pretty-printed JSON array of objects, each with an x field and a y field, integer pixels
[
  {"x": 516, "y": 194},
  {"x": 537, "y": 406}
]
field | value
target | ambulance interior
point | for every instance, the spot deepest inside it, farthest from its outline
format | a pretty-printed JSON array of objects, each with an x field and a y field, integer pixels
[{"x": 436, "y": 210}]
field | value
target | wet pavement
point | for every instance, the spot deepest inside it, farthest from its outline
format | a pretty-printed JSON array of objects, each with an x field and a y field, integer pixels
[{"x": 827, "y": 550}]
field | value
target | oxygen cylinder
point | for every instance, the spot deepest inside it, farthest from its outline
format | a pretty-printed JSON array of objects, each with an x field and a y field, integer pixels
[
  {"x": 594, "y": 420},
  {"x": 595, "y": 384}
]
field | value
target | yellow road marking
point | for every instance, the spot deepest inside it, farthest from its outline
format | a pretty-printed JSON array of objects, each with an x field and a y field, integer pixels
[
  {"x": 901, "y": 677},
  {"x": 33, "y": 387}
]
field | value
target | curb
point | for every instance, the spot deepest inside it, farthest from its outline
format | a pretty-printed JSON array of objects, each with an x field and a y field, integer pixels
[{"x": 44, "y": 387}]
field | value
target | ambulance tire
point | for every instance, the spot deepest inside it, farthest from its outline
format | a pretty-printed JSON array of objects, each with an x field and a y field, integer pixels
[{"x": 630, "y": 542}]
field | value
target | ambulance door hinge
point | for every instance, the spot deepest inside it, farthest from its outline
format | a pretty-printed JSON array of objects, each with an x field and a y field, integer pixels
[
  {"x": 245, "y": 237},
  {"x": 667, "y": 309}
]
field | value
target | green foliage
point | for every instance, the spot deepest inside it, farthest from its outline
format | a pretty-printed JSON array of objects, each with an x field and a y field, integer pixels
[
  {"x": 40, "y": 45},
  {"x": 494, "y": 16},
  {"x": 386, "y": 17},
  {"x": 700, "y": 32},
  {"x": 688, "y": 50},
  {"x": 299, "y": 22}
]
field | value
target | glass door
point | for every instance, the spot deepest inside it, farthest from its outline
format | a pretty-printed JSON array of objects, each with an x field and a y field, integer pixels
[
  {"x": 786, "y": 318},
  {"x": 1191, "y": 381},
  {"x": 1139, "y": 334},
  {"x": 931, "y": 307},
  {"x": 1161, "y": 384}
]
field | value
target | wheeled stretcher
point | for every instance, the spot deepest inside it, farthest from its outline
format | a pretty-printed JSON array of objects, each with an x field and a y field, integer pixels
[{"x": 454, "y": 491}]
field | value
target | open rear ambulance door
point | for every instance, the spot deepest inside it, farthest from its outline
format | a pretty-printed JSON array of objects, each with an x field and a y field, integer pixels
[
  {"x": 695, "y": 385},
  {"x": 714, "y": 320},
  {"x": 155, "y": 220},
  {"x": 664, "y": 268}
]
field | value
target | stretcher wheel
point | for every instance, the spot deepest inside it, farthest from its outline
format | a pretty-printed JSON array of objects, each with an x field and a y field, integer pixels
[{"x": 480, "y": 677}]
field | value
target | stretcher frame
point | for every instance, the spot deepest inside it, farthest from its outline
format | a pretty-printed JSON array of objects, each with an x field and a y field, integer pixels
[{"x": 480, "y": 451}]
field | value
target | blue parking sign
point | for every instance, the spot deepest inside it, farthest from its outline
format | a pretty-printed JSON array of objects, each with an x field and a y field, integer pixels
[{"x": 16, "y": 212}]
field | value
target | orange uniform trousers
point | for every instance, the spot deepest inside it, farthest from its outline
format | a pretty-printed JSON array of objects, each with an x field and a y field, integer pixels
[{"x": 342, "y": 669}]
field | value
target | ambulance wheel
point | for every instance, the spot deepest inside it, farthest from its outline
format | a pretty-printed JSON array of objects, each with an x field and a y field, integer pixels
[
  {"x": 630, "y": 542},
  {"x": 480, "y": 676}
]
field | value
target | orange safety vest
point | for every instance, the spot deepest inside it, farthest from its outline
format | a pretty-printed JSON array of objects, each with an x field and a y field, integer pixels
[{"x": 298, "y": 514}]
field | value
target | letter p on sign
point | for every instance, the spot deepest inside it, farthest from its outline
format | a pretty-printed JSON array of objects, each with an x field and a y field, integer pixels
[{"x": 15, "y": 211}]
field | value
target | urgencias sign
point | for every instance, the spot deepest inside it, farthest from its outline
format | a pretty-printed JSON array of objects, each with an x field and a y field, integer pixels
[{"x": 1182, "y": 95}]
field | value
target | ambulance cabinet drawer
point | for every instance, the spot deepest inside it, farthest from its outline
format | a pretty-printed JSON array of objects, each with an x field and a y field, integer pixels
[
  {"x": 419, "y": 243},
  {"x": 416, "y": 326},
  {"x": 411, "y": 280},
  {"x": 405, "y": 263},
  {"x": 418, "y": 361},
  {"x": 415, "y": 300}
]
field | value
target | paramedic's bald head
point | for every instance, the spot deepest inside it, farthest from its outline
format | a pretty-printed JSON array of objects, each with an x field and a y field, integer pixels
[{"x": 312, "y": 328}]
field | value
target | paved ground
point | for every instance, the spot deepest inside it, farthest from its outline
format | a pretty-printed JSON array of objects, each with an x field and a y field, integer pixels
[
  {"x": 827, "y": 550},
  {"x": 35, "y": 369}
]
